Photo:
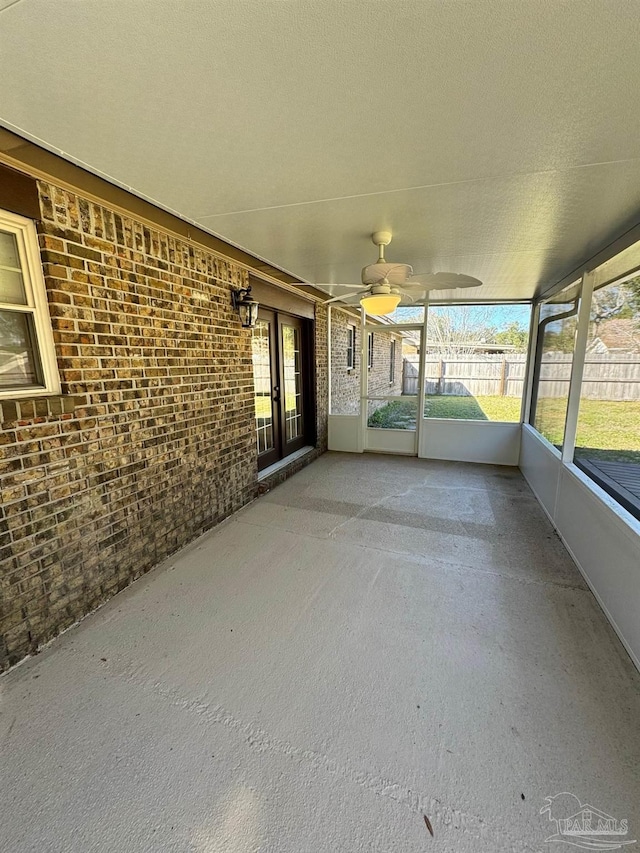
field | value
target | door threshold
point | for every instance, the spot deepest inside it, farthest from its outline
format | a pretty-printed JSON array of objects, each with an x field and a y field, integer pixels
[{"x": 282, "y": 463}]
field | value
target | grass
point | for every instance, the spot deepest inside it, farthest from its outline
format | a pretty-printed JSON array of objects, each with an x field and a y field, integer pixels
[
  {"x": 607, "y": 430},
  {"x": 398, "y": 414},
  {"x": 401, "y": 414},
  {"x": 473, "y": 408}
]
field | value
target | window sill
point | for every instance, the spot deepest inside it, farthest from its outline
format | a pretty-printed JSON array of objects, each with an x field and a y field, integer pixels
[
  {"x": 38, "y": 406},
  {"x": 29, "y": 393}
]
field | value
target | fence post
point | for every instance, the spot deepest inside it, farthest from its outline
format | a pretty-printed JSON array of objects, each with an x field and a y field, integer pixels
[
  {"x": 439, "y": 377},
  {"x": 503, "y": 375}
]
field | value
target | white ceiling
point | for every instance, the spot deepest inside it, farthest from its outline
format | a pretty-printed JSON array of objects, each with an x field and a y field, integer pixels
[{"x": 497, "y": 138}]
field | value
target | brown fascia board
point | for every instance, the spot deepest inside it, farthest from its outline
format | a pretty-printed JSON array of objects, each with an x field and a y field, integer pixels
[{"x": 38, "y": 162}]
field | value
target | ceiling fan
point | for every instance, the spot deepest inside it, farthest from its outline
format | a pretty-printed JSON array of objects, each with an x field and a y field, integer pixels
[{"x": 386, "y": 285}]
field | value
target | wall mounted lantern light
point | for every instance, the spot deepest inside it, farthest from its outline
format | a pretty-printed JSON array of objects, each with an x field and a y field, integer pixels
[{"x": 246, "y": 307}]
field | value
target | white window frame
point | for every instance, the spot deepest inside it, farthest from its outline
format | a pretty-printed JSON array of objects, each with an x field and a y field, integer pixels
[
  {"x": 351, "y": 347},
  {"x": 26, "y": 236},
  {"x": 392, "y": 362}
]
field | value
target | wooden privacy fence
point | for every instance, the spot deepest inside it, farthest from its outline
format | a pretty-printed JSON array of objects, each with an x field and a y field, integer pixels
[{"x": 606, "y": 377}]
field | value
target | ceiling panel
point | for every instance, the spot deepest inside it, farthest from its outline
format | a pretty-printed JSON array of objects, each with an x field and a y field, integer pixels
[
  {"x": 487, "y": 132},
  {"x": 510, "y": 232}
]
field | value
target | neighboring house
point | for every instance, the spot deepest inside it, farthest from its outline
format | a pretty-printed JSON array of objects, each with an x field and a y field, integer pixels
[
  {"x": 615, "y": 336},
  {"x": 411, "y": 346}
]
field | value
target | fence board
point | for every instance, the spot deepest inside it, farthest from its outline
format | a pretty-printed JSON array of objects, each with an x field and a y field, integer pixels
[{"x": 609, "y": 376}]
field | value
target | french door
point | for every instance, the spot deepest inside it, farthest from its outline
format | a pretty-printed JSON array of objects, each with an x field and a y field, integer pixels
[{"x": 280, "y": 373}]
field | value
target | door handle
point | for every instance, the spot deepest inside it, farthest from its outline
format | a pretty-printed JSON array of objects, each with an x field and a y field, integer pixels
[{"x": 276, "y": 394}]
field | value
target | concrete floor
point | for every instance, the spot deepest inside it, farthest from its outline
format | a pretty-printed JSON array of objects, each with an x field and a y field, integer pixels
[{"x": 376, "y": 640}]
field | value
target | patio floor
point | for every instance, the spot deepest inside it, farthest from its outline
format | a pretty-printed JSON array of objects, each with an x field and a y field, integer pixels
[{"x": 378, "y": 639}]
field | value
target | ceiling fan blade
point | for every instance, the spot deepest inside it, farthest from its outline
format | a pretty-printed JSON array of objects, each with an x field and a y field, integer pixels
[
  {"x": 329, "y": 287},
  {"x": 346, "y": 298},
  {"x": 416, "y": 285},
  {"x": 444, "y": 280},
  {"x": 412, "y": 297}
]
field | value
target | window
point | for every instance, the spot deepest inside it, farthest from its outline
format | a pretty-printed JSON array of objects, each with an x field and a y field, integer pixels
[
  {"x": 351, "y": 347},
  {"x": 392, "y": 363},
  {"x": 27, "y": 356},
  {"x": 475, "y": 362},
  {"x": 370, "y": 351},
  {"x": 608, "y": 433},
  {"x": 554, "y": 363}
]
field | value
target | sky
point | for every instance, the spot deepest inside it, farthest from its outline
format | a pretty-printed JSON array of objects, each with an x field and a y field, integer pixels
[{"x": 497, "y": 316}]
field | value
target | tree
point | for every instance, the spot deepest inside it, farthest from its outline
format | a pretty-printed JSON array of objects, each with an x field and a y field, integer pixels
[
  {"x": 459, "y": 329},
  {"x": 514, "y": 335},
  {"x": 616, "y": 301}
]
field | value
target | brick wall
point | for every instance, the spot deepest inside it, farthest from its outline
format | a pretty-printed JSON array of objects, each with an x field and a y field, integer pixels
[
  {"x": 322, "y": 376},
  {"x": 345, "y": 383},
  {"x": 380, "y": 371},
  {"x": 151, "y": 443}
]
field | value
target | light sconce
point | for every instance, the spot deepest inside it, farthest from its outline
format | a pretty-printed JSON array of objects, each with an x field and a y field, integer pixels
[{"x": 246, "y": 307}]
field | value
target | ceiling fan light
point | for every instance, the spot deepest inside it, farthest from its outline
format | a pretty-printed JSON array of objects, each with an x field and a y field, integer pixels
[{"x": 380, "y": 303}]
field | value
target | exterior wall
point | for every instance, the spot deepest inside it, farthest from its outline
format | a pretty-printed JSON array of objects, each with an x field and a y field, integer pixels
[
  {"x": 321, "y": 377},
  {"x": 152, "y": 441},
  {"x": 379, "y": 374},
  {"x": 345, "y": 383}
]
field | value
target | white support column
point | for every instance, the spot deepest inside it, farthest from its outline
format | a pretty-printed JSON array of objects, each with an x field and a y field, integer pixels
[
  {"x": 420, "y": 419},
  {"x": 577, "y": 369},
  {"x": 527, "y": 388},
  {"x": 329, "y": 367},
  {"x": 364, "y": 377}
]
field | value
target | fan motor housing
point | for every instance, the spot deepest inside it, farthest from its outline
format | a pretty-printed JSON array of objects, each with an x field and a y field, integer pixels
[{"x": 394, "y": 273}]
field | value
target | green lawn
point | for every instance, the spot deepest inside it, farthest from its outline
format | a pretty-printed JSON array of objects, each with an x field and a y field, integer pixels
[
  {"x": 473, "y": 408},
  {"x": 606, "y": 430},
  {"x": 401, "y": 414}
]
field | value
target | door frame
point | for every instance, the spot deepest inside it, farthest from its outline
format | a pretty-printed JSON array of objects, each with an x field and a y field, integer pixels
[{"x": 283, "y": 448}]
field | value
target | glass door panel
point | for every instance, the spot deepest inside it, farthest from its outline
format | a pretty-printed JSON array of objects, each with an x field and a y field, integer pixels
[
  {"x": 263, "y": 371},
  {"x": 279, "y": 364},
  {"x": 292, "y": 384},
  {"x": 392, "y": 376}
]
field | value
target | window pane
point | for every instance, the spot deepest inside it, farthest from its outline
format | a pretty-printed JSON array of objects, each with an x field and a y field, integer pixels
[
  {"x": 12, "y": 287},
  {"x": 9, "y": 256},
  {"x": 387, "y": 357},
  {"x": 11, "y": 284},
  {"x": 556, "y": 338},
  {"x": 19, "y": 364},
  {"x": 392, "y": 414},
  {"x": 408, "y": 314},
  {"x": 608, "y": 436},
  {"x": 291, "y": 362},
  {"x": 475, "y": 362},
  {"x": 260, "y": 344}
]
